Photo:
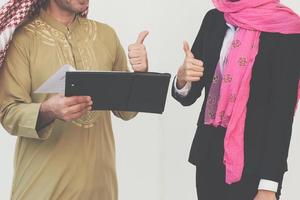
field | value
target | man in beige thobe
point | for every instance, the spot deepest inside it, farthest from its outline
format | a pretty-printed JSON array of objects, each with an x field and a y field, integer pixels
[{"x": 64, "y": 150}]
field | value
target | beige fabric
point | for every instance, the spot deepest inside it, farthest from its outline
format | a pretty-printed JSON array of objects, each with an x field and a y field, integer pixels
[{"x": 66, "y": 160}]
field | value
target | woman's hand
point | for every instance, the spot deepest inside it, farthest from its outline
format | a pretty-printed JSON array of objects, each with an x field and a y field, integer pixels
[
  {"x": 191, "y": 70},
  {"x": 265, "y": 195}
]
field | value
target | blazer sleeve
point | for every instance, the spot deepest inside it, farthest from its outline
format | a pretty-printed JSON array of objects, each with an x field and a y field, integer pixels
[
  {"x": 285, "y": 76},
  {"x": 197, "y": 50}
]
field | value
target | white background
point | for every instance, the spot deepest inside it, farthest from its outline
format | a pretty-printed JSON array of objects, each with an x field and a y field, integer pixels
[{"x": 152, "y": 150}]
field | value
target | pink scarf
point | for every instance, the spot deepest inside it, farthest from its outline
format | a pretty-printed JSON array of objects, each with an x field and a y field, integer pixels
[{"x": 229, "y": 107}]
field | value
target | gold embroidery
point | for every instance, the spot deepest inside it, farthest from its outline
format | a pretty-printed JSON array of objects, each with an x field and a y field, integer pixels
[
  {"x": 88, "y": 120},
  {"x": 62, "y": 44}
]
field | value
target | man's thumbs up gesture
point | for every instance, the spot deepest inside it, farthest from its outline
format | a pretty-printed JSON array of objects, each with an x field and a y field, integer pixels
[
  {"x": 192, "y": 69},
  {"x": 137, "y": 54}
]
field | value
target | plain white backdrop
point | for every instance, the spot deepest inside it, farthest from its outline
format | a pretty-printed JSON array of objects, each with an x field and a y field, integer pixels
[{"x": 152, "y": 150}]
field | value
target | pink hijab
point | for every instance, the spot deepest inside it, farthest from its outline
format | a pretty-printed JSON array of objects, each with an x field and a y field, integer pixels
[{"x": 229, "y": 107}]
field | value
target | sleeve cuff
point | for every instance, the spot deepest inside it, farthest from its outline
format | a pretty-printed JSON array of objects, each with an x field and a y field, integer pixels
[
  {"x": 183, "y": 91},
  {"x": 268, "y": 185},
  {"x": 28, "y": 127}
]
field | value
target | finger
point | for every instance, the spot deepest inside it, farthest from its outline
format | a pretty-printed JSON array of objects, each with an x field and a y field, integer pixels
[
  {"x": 77, "y": 108},
  {"x": 137, "y": 47},
  {"x": 78, "y": 114},
  {"x": 141, "y": 37},
  {"x": 186, "y": 46},
  {"x": 193, "y": 79},
  {"x": 135, "y": 54},
  {"x": 188, "y": 65},
  {"x": 70, "y": 101},
  {"x": 192, "y": 64},
  {"x": 135, "y": 61},
  {"x": 78, "y": 100},
  {"x": 139, "y": 68},
  {"x": 194, "y": 68},
  {"x": 197, "y": 62},
  {"x": 194, "y": 74},
  {"x": 187, "y": 50}
]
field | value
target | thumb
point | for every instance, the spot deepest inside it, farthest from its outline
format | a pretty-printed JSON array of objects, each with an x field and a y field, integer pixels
[
  {"x": 187, "y": 50},
  {"x": 141, "y": 37}
]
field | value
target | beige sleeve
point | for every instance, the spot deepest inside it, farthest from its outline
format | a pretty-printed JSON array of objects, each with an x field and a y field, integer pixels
[
  {"x": 120, "y": 64},
  {"x": 18, "y": 113}
]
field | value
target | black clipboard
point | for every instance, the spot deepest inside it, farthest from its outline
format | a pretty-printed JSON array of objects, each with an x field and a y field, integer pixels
[{"x": 121, "y": 91}]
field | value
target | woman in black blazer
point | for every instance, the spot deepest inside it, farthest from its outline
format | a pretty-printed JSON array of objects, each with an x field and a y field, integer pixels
[{"x": 270, "y": 111}]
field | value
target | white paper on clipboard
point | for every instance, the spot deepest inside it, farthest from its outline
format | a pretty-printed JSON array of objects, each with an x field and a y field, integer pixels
[{"x": 56, "y": 83}]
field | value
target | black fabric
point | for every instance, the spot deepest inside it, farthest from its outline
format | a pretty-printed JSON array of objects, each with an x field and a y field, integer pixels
[
  {"x": 270, "y": 108},
  {"x": 210, "y": 177}
]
